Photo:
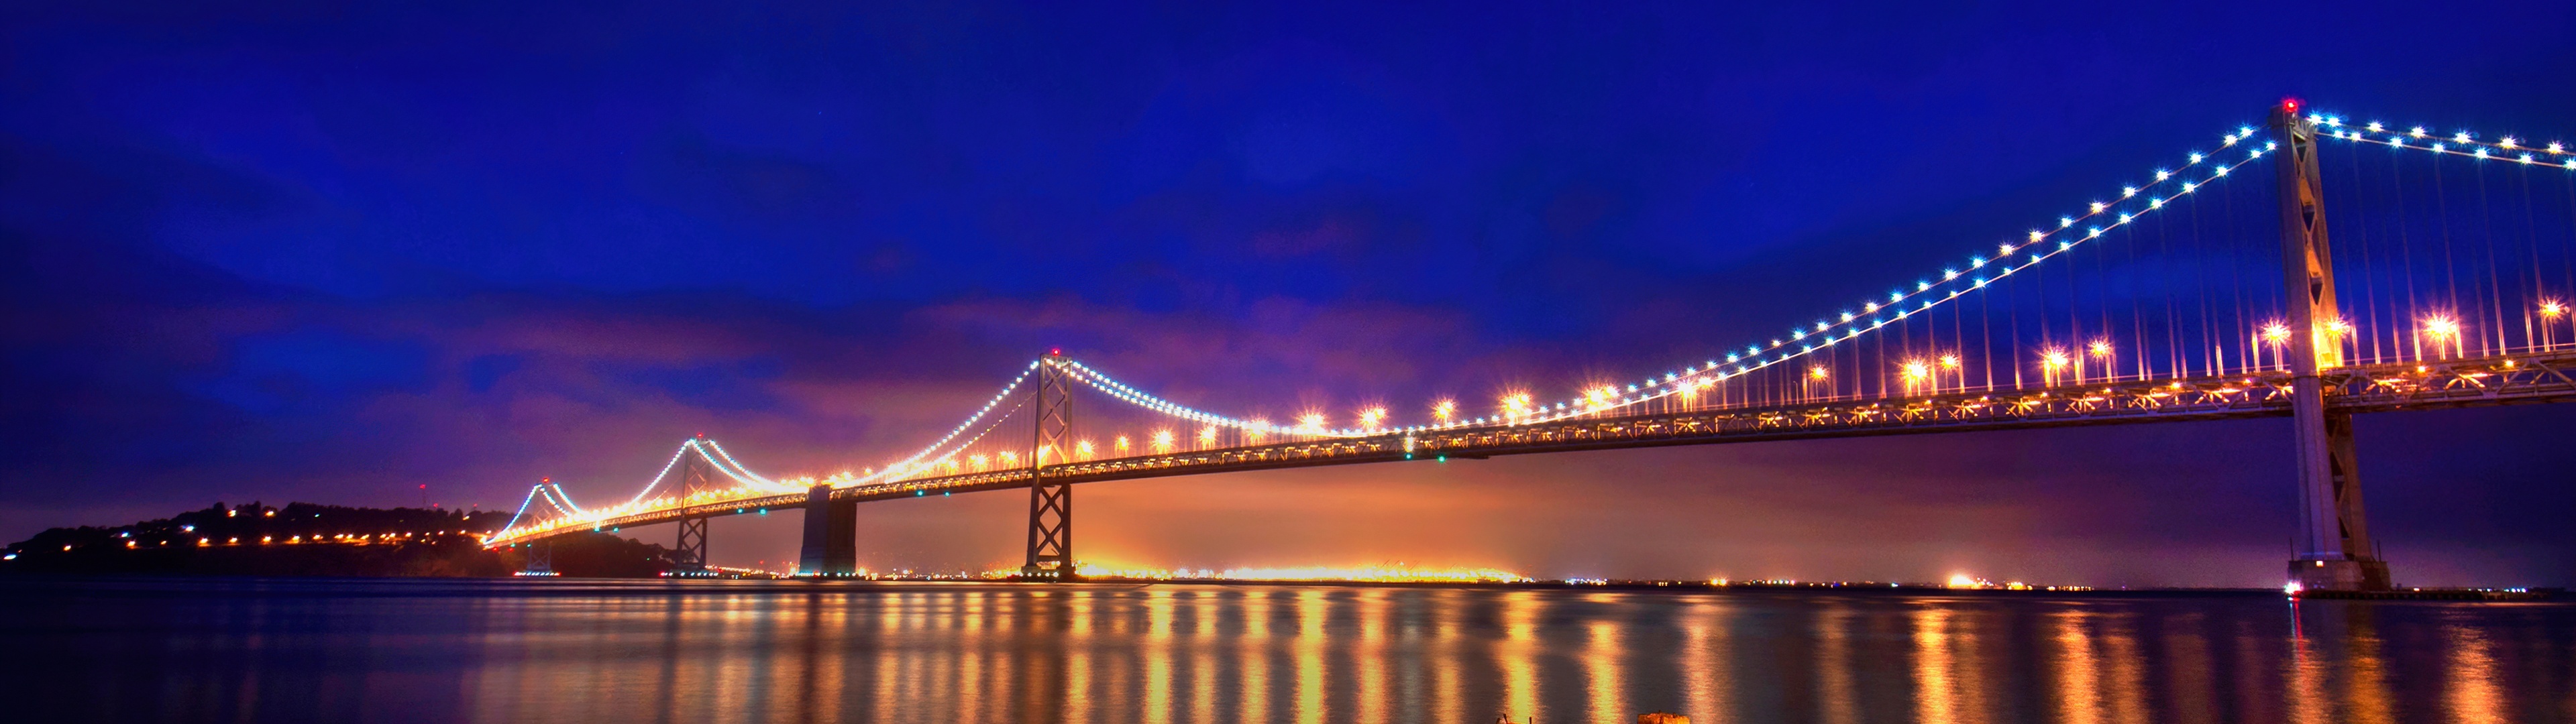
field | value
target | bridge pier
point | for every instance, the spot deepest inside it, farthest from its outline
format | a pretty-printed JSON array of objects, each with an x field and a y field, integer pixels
[
  {"x": 2335, "y": 552},
  {"x": 538, "y": 559},
  {"x": 2339, "y": 556},
  {"x": 831, "y": 535},
  {"x": 690, "y": 556}
]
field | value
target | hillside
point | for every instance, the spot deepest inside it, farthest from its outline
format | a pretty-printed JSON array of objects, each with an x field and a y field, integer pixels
[{"x": 304, "y": 539}]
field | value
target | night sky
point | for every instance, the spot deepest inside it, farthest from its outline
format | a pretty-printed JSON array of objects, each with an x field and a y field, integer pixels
[{"x": 331, "y": 254}]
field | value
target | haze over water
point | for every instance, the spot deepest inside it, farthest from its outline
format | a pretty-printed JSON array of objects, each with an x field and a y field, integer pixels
[{"x": 563, "y": 651}]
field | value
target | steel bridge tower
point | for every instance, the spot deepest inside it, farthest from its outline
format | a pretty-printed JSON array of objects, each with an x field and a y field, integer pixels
[
  {"x": 2335, "y": 552},
  {"x": 696, "y": 474},
  {"x": 1051, "y": 504}
]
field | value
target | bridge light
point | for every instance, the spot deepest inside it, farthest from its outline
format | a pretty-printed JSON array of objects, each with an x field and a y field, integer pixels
[
  {"x": 2445, "y": 332},
  {"x": 2276, "y": 334},
  {"x": 2099, "y": 348},
  {"x": 1443, "y": 409},
  {"x": 1816, "y": 372},
  {"x": 1599, "y": 396},
  {"x": 2552, "y": 309}
]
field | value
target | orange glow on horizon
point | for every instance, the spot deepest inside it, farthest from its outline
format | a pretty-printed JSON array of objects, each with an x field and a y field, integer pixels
[{"x": 1395, "y": 573}]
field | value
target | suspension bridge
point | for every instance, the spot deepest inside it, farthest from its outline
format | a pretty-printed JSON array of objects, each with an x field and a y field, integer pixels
[{"x": 2162, "y": 301}]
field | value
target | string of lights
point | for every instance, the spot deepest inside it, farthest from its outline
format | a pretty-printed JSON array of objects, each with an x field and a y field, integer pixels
[
  {"x": 739, "y": 472},
  {"x": 555, "y": 498},
  {"x": 951, "y": 455},
  {"x": 2462, "y": 143},
  {"x": 2133, "y": 202},
  {"x": 562, "y": 502},
  {"x": 953, "y": 433},
  {"x": 1104, "y": 383},
  {"x": 523, "y": 506},
  {"x": 569, "y": 512},
  {"x": 1926, "y": 294},
  {"x": 658, "y": 477},
  {"x": 566, "y": 510}
]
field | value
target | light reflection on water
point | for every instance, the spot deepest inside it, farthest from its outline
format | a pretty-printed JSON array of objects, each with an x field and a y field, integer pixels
[{"x": 309, "y": 650}]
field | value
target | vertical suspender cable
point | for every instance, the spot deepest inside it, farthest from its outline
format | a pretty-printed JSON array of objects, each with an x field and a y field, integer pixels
[
  {"x": 2411, "y": 343},
  {"x": 2494, "y": 265}
]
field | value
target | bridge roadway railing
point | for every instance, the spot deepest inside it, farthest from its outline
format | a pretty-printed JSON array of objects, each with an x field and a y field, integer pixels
[{"x": 2527, "y": 378}]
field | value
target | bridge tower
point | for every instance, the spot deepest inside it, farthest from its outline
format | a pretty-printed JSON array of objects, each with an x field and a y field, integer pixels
[
  {"x": 696, "y": 474},
  {"x": 831, "y": 534},
  {"x": 1051, "y": 504},
  {"x": 2334, "y": 546}
]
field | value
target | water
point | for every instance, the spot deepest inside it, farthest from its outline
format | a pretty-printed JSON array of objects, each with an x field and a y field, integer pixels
[{"x": 566, "y": 651}]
